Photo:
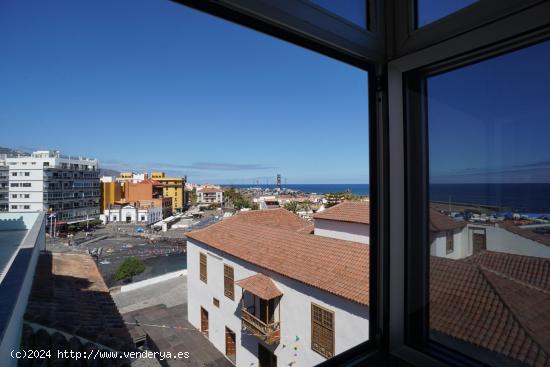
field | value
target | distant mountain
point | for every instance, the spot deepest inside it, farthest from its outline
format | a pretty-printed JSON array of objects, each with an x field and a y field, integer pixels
[
  {"x": 12, "y": 152},
  {"x": 108, "y": 172}
]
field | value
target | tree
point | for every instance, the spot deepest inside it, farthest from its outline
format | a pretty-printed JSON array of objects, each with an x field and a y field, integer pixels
[
  {"x": 194, "y": 196},
  {"x": 292, "y": 206},
  {"x": 130, "y": 267},
  {"x": 238, "y": 200}
]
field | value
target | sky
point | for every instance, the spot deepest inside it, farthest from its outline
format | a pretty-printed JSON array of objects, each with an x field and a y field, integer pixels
[
  {"x": 490, "y": 122},
  {"x": 153, "y": 85}
]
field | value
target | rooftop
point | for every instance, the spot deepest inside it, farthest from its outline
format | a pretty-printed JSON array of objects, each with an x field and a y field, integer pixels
[
  {"x": 261, "y": 286},
  {"x": 347, "y": 211},
  {"x": 69, "y": 294},
  {"x": 270, "y": 239},
  {"x": 496, "y": 301},
  {"x": 440, "y": 222}
]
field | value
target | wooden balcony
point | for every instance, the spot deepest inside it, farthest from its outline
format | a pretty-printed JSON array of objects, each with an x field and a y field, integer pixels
[{"x": 270, "y": 333}]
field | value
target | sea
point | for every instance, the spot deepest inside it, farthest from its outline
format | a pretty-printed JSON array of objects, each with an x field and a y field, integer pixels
[{"x": 522, "y": 198}]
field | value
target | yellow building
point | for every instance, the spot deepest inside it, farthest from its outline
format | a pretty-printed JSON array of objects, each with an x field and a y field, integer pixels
[
  {"x": 110, "y": 193},
  {"x": 173, "y": 187}
]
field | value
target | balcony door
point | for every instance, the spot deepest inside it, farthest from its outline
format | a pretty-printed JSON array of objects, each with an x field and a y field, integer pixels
[
  {"x": 266, "y": 358},
  {"x": 204, "y": 322},
  {"x": 267, "y": 309}
]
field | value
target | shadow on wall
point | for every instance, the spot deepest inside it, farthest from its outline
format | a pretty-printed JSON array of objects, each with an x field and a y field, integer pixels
[
  {"x": 72, "y": 305},
  {"x": 15, "y": 224}
]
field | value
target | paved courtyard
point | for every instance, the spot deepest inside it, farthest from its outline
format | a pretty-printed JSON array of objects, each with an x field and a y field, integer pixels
[{"x": 160, "y": 310}]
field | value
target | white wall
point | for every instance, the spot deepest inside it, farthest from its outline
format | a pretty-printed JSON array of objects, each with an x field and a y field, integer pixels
[
  {"x": 498, "y": 239},
  {"x": 462, "y": 246},
  {"x": 356, "y": 232},
  {"x": 351, "y": 319},
  {"x": 501, "y": 240}
]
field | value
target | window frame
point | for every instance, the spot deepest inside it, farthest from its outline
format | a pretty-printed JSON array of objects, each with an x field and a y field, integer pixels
[
  {"x": 412, "y": 343},
  {"x": 227, "y": 280},
  {"x": 332, "y": 329},
  {"x": 449, "y": 242},
  {"x": 391, "y": 53}
]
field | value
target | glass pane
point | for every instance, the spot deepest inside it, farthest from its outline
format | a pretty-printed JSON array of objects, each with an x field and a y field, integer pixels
[
  {"x": 489, "y": 129},
  {"x": 354, "y": 11},
  {"x": 431, "y": 10},
  {"x": 264, "y": 144}
]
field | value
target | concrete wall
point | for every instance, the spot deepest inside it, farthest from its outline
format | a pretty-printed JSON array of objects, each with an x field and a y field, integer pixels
[
  {"x": 356, "y": 232},
  {"x": 501, "y": 240},
  {"x": 351, "y": 319},
  {"x": 498, "y": 239},
  {"x": 33, "y": 243},
  {"x": 462, "y": 247}
]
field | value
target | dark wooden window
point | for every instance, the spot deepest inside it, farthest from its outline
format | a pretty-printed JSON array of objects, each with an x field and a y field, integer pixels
[
  {"x": 450, "y": 242},
  {"x": 228, "y": 282},
  {"x": 216, "y": 302},
  {"x": 203, "y": 267},
  {"x": 322, "y": 331}
]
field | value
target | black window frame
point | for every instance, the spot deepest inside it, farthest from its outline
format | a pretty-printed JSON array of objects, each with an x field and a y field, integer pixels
[{"x": 397, "y": 56}]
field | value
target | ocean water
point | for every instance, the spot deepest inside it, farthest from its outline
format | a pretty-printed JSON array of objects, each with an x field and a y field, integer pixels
[{"x": 525, "y": 198}]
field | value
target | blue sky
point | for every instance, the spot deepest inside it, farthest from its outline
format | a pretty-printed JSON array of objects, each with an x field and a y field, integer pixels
[
  {"x": 151, "y": 84},
  {"x": 490, "y": 122}
]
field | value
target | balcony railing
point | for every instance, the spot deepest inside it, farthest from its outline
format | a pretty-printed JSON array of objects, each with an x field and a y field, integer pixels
[{"x": 269, "y": 332}]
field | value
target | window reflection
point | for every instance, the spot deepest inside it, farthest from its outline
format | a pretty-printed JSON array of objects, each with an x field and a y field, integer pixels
[
  {"x": 354, "y": 11},
  {"x": 490, "y": 208},
  {"x": 431, "y": 10}
]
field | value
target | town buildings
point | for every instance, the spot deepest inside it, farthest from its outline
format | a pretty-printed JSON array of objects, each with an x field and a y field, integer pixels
[
  {"x": 265, "y": 291},
  {"x": 457, "y": 239},
  {"x": 4, "y": 184},
  {"x": 47, "y": 180},
  {"x": 173, "y": 187},
  {"x": 111, "y": 192},
  {"x": 209, "y": 195},
  {"x": 139, "y": 212}
]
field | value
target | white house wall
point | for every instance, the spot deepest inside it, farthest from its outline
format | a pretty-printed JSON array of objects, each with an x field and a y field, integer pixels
[
  {"x": 351, "y": 319},
  {"x": 356, "y": 232},
  {"x": 502, "y": 240},
  {"x": 462, "y": 247}
]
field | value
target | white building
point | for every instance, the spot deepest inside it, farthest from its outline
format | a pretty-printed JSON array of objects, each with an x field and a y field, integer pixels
[
  {"x": 458, "y": 239},
  {"x": 69, "y": 186},
  {"x": 132, "y": 214},
  {"x": 267, "y": 293},
  {"x": 349, "y": 220},
  {"x": 210, "y": 195},
  {"x": 4, "y": 184}
]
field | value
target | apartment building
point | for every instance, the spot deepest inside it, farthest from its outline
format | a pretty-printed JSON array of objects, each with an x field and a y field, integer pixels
[
  {"x": 266, "y": 292},
  {"x": 4, "y": 184},
  {"x": 172, "y": 187},
  {"x": 209, "y": 195},
  {"x": 111, "y": 192},
  {"x": 47, "y": 180}
]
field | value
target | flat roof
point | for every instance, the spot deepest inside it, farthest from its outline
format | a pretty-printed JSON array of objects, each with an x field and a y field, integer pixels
[{"x": 9, "y": 243}]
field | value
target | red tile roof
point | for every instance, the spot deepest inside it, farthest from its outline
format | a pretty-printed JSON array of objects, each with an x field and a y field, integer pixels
[
  {"x": 69, "y": 294},
  {"x": 441, "y": 222},
  {"x": 335, "y": 266},
  {"x": 491, "y": 309},
  {"x": 210, "y": 190},
  {"x": 261, "y": 285},
  {"x": 275, "y": 218},
  {"x": 347, "y": 211}
]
